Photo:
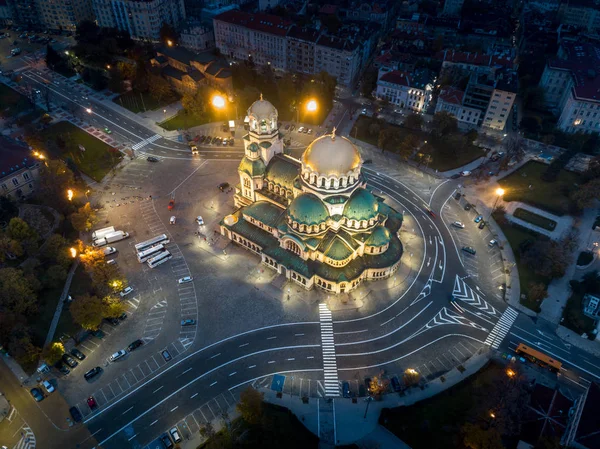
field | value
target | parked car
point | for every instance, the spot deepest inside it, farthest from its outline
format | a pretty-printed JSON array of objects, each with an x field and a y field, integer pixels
[
  {"x": 117, "y": 355},
  {"x": 478, "y": 218},
  {"x": 469, "y": 249},
  {"x": 166, "y": 355},
  {"x": 231, "y": 142},
  {"x": 48, "y": 386},
  {"x": 188, "y": 322},
  {"x": 346, "y": 389},
  {"x": 89, "y": 375},
  {"x": 111, "y": 261},
  {"x": 199, "y": 220},
  {"x": 468, "y": 206},
  {"x": 75, "y": 414},
  {"x": 107, "y": 131},
  {"x": 481, "y": 224},
  {"x": 152, "y": 159},
  {"x": 69, "y": 360},
  {"x": 208, "y": 140},
  {"x": 396, "y": 386},
  {"x": 166, "y": 440},
  {"x": 135, "y": 344},
  {"x": 458, "y": 224},
  {"x": 175, "y": 435},
  {"x": 109, "y": 250},
  {"x": 493, "y": 242},
  {"x": 113, "y": 321},
  {"x": 223, "y": 186},
  {"x": 37, "y": 394},
  {"x": 173, "y": 220},
  {"x": 310, "y": 131},
  {"x": 77, "y": 354},
  {"x": 123, "y": 316},
  {"x": 98, "y": 333},
  {"x": 465, "y": 173},
  {"x": 301, "y": 129},
  {"x": 91, "y": 402},
  {"x": 64, "y": 369},
  {"x": 171, "y": 204},
  {"x": 185, "y": 280},
  {"x": 125, "y": 292}
]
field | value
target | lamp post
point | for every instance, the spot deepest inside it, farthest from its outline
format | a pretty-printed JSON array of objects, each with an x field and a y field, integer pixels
[
  {"x": 311, "y": 106},
  {"x": 499, "y": 193}
]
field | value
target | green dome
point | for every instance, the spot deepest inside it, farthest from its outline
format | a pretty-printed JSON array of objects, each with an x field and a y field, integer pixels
[
  {"x": 252, "y": 168},
  {"x": 379, "y": 237},
  {"x": 308, "y": 209},
  {"x": 362, "y": 205},
  {"x": 253, "y": 147}
]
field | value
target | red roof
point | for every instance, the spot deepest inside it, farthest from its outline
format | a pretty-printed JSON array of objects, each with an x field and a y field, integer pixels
[
  {"x": 396, "y": 77},
  {"x": 583, "y": 61},
  {"x": 462, "y": 57},
  {"x": 452, "y": 95},
  {"x": 266, "y": 23}
]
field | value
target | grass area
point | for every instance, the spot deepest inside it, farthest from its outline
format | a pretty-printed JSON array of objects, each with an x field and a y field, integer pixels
[
  {"x": 279, "y": 428},
  {"x": 535, "y": 219},
  {"x": 80, "y": 284},
  {"x": 526, "y": 185},
  {"x": 184, "y": 120},
  {"x": 97, "y": 159},
  {"x": 12, "y": 102},
  {"x": 574, "y": 318},
  {"x": 517, "y": 236},
  {"x": 436, "y": 422},
  {"x": 443, "y": 157},
  {"x": 584, "y": 258},
  {"x": 142, "y": 102}
]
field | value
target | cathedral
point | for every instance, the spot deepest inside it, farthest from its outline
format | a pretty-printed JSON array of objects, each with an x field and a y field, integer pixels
[{"x": 312, "y": 220}]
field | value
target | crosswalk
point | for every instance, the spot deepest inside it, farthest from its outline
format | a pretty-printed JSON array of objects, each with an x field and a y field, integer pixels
[
  {"x": 332, "y": 387},
  {"x": 467, "y": 295},
  {"x": 145, "y": 142},
  {"x": 27, "y": 440},
  {"x": 501, "y": 328}
]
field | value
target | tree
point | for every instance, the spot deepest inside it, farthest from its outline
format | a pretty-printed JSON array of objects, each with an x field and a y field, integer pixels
[
  {"x": 471, "y": 135},
  {"x": 378, "y": 386},
  {"x": 53, "y": 246},
  {"x": 53, "y": 353},
  {"x": 533, "y": 98},
  {"x": 16, "y": 293},
  {"x": 84, "y": 218},
  {"x": 386, "y": 138},
  {"x": 167, "y": 33},
  {"x": 112, "y": 307},
  {"x": 107, "y": 279},
  {"x": 587, "y": 194},
  {"x": 414, "y": 121},
  {"x": 55, "y": 276},
  {"x": 250, "y": 405},
  {"x": 444, "y": 123},
  {"x": 55, "y": 180},
  {"x": 476, "y": 437},
  {"x": 374, "y": 129},
  {"x": 537, "y": 291},
  {"x": 141, "y": 76},
  {"x": 408, "y": 146},
  {"x": 23, "y": 350},
  {"x": 19, "y": 230},
  {"x": 159, "y": 87},
  {"x": 548, "y": 258},
  {"x": 115, "y": 83},
  {"x": 88, "y": 311},
  {"x": 89, "y": 256}
]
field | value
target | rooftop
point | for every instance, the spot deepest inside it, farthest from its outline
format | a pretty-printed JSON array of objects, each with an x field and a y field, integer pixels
[
  {"x": 266, "y": 23},
  {"x": 583, "y": 61},
  {"x": 474, "y": 58},
  {"x": 14, "y": 156},
  {"x": 418, "y": 78},
  {"x": 305, "y": 34},
  {"x": 452, "y": 95}
]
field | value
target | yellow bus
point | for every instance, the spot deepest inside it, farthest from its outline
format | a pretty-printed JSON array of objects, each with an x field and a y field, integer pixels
[{"x": 539, "y": 357}]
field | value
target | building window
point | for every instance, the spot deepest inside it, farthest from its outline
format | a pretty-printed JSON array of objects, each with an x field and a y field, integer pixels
[
  {"x": 26, "y": 176},
  {"x": 15, "y": 181},
  {"x": 4, "y": 187}
]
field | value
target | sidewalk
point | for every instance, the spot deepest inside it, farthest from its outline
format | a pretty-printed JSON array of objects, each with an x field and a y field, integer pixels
[{"x": 61, "y": 303}]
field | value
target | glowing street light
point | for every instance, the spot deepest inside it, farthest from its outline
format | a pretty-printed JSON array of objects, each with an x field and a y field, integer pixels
[
  {"x": 218, "y": 102},
  {"x": 170, "y": 43},
  {"x": 311, "y": 106},
  {"x": 73, "y": 252},
  {"x": 510, "y": 373},
  {"x": 70, "y": 195},
  {"x": 499, "y": 193},
  {"x": 88, "y": 110}
]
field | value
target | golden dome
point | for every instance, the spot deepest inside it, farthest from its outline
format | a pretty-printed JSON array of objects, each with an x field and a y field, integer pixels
[
  {"x": 262, "y": 109},
  {"x": 331, "y": 155}
]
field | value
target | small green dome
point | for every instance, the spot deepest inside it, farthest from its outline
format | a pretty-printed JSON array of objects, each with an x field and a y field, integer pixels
[
  {"x": 308, "y": 209},
  {"x": 253, "y": 147},
  {"x": 362, "y": 205},
  {"x": 252, "y": 168},
  {"x": 379, "y": 237}
]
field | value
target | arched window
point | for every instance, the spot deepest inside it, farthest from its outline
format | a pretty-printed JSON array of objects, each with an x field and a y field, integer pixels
[
  {"x": 331, "y": 181},
  {"x": 322, "y": 182},
  {"x": 246, "y": 182},
  {"x": 293, "y": 247}
]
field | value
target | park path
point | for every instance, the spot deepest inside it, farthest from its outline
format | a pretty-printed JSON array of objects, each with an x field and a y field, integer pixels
[{"x": 61, "y": 302}]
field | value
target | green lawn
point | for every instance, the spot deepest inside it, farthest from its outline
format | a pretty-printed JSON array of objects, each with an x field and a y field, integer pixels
[
  {"x": 550, "y": 196},
  {"x": 436, "y": 422},
  {"x": 12, "y": 102},
  {"x": 574, "y": 318},
  {"x": 535, "y": 219},
  {"x": 142, "y": 102},
  {"x": 97, "y": 159},
  {"x": 515, "y": 237},
  {"x": 185, "y": 121}
]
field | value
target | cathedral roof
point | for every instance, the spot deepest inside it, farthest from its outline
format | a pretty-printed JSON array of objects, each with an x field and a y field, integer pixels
[
  {"x": 379, "y": 237},
  {"x": 362, "y": 205},
  {"x": 265, "y": 212},
  {"x": 252, "y": 167},
  {"x": 308, "y": 209},
  {"x": 331, "y": 155},
  {"x": 282, "y": 171},
  {"x": 262, "y": 109},
  {"x": 338, "y": 249}
]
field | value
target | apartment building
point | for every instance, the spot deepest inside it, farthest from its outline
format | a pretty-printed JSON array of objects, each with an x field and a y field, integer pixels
[
  {"x": 584, "y": 14},
  {"x": 301, "y": 49},
  {"x": 19, "y": 171},
  {"x": 571, "y": 83},
  {"x": 407, "y": 90},
  {"x": 339, "y": 57},
  {"x": 450, "y": 100},
  {"x": 473, "y": 62},
  {"x": 452, "y": 8},
  {"x": 141, "y": 18},
  {"x": 64, "y": 14},
  {"x": 25, "y": 13},
  {"x": 197, "y": 37}
]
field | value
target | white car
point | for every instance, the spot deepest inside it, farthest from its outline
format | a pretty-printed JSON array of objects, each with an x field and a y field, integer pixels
[
  {"x": 48, "y": 386},
  {"x": 117, "y": 355},
  {"x": 458, "y": 224},
  {"x": 301, "y": 129},
  {"x": 465, "y": 173},
  {"x": 109, "y": 250},
  {"x": 125, "y": 292},
  {"x": 185, "y": 280},
  {"x": 200, "y": 220},
  {"x": 175, "y": 435},
  {"x": 493, "y": 242},
  {"x": 310, "y": 131},
  {"x": 111, "y": 262},
  {"x": 173, "y": 220}
]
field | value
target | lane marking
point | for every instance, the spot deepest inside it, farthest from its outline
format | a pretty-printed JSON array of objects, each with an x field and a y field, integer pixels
[
  {"x": 235, "y": 372},
  {"x": 193, "y": 396},
  {"x": 132, "y": 437},
  {"x": 174, "y": 408},
  {"x": 271, "y": 338},
  {"x": 158, "y": 389},
  {"x": 245, "y": 344},
  {"x": 214, "y": 383},
  {"x": 216, "y": 355},
  {"x": 129, "y": 409},
  {"x": 252, "y": 366},
  {"x": 154, "y": 422}
]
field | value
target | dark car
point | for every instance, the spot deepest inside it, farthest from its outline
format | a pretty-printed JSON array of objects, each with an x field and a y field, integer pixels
[
  {"x": 75, "y": 414},
  {"x": 134, "y": 345},
  {"x": 396, "y": 384},
  {"x": 37, "y": 394},
  {"x": 166, "y": 440},
  {"x": 455, "y": 176},
  {"x": 113, "y": 321},
  {"x": 77, "y": 354},
  {"x": 166, "y": 355},
  {"x": 346, "y": 389},
  {"x": 123, "y": 316},
  {"x": 64, "y": 369},
  {"x": 469, "y": 249},
  {"x": 98, "y": 333},
  {"x": 231, "y": 142},
  {"x": 69, "y": 360},
  {"x": 208, "y": 140},
  {"x": 431, "y": 213},
  {"x": 468, "y": 206},
  {"x": 478, "y": 218},
  {"x": 481, "y": 225},
  {"x": 152, "y": 159},
  {"x": 92, "y": 373},
  {"x": 287, "y": 127},
  {"x": 223, "y": 186},
  {"x": 202, "y": 139},
  {"x": 214, "y": 140}
]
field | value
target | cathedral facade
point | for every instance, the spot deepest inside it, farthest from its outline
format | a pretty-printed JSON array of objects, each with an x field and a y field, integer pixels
[{"x": 312, "y": 220}]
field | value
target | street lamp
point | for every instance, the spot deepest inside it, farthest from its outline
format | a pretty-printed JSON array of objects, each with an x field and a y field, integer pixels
[
  {"x": 170, "y": 43},
  {"x": 70, "y": 195},
  {"x": 218, "y": 102},
  {"x": 73, "y": 252},
  {"x": 88, "y": 110},
  {"x": 499, "y": 194},
  {"x": 311, "y": 106}
]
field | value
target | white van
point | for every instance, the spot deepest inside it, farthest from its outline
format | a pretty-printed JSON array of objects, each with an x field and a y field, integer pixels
[{"x": 118, "y": 355}]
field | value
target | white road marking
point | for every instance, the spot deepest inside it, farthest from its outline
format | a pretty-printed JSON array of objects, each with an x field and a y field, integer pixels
[
  {"x": 193, "y": 396},
  {"x": 214, "y": 383},
  {"x": 158, "y": 389},
  {"x": 174, "y": 408}
]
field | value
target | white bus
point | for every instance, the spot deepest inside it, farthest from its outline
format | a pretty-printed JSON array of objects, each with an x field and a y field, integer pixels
[
  {"x": 160, "y": 258},
  {"x": 149, "y": 253},
  {"x": 159, "y": 239}
]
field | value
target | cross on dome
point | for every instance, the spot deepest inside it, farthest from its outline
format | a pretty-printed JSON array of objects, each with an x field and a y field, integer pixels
[
  {"x": 333, "y": 133},
  {"x": 261, "y": 97}
]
